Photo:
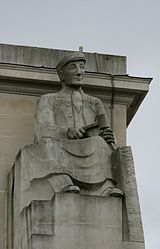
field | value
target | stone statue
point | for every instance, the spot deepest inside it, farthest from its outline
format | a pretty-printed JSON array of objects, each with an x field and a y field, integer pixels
[{"x": 70, "y": 153}]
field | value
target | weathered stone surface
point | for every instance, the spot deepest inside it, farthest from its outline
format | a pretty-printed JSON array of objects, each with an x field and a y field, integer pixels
[
  {"x": 72, "y": 221},
  {"x": 3, "y": 215},
  {"x": 123, "y": 166},
  {"x": 9, "y": 147},
  {"x": 17, "y": 126},
  {"x": 17, "y": 105},
  {"x": 2, "y": 233},
  {"x": 132, "y": 245}
]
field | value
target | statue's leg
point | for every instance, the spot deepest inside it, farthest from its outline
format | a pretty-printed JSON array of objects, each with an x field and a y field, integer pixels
[{"x": 63, "y": 183}]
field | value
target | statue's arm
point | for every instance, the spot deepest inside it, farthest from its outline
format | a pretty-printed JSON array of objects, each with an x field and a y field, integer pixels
[
  {"x": 44, "y": 122},
  {"x": 100, "y": 109},
  {"x": 106, "y": 131}
]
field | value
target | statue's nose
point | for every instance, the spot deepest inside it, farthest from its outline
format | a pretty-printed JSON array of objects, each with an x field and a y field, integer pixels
[{"x": 78, "y": 71}]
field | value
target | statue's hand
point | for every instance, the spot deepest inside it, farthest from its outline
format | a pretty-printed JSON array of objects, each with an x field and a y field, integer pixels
[
  {"x": 74, "y": 133},
  {"x": 108, "y": 135}
]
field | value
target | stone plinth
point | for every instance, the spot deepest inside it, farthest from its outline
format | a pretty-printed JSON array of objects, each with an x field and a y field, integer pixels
[{"x": 73, "y": 221}]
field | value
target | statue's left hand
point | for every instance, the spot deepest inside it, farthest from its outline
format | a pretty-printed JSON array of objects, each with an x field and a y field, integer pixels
[
  {"x": 74, "y": 133},
  {"x": 108, "y": 135}
]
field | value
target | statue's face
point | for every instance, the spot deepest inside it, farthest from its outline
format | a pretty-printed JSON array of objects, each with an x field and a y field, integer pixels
[{"x": 73, "y": 73}]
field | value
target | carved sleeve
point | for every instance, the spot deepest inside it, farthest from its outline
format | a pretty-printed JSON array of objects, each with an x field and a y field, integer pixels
[
  {"x": 100, "y": 110},
  {"x": 44, "y": 121},
  {"x": 99, "y": 106}
]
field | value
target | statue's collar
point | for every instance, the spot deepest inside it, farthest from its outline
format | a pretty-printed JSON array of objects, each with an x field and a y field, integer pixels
[{"x": 70, "y": 91}]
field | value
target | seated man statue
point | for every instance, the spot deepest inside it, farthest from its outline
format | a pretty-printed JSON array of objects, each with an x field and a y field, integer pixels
[{"x": 71, "y": 152}]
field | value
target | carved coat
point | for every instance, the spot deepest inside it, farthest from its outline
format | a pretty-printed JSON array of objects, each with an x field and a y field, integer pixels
[{"x": 55, "y": 114}]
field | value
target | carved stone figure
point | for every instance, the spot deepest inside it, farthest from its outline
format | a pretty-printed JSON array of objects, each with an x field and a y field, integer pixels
[{"x": 70, "y": 153}]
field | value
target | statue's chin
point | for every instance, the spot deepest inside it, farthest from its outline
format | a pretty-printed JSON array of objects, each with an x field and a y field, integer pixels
[{"x": 76, "y": 84}]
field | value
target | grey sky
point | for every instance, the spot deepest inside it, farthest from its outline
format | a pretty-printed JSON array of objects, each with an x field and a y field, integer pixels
[{"x": 122, "y": 27}]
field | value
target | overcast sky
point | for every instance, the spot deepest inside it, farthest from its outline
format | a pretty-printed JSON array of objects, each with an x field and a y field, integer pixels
[{"x": 119, "y": 27}]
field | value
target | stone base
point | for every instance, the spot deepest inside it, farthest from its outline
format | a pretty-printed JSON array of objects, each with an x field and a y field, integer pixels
[
  {"x": 72, "y": 221},
  {"x": 76, "y": 222}
]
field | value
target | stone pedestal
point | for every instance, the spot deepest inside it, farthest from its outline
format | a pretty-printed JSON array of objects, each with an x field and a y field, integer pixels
[{"x": 73, "y": 221}]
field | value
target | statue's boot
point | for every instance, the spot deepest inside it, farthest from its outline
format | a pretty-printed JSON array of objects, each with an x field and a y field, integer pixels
[
  {"x": 112, "y": 192},
  {"x": 71, "y": 189},
  {"x": 63, "y": 183},
  {"x": 108, "y": 189}
]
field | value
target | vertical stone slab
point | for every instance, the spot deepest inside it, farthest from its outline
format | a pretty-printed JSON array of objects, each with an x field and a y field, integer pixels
[
  {"x": 125, "y": 175},
  {"x": 10, "y": 209},
  {"x": 118, "y": 123},
  {"x": 3, "y": 215}
]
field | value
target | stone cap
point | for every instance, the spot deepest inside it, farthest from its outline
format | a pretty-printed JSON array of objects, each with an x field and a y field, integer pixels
[
  {"x": 73, "y": 56},
  {"x": 48, "y": 58}
]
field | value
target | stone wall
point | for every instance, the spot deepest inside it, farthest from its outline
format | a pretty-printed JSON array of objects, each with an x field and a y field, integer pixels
[{"x": 16, "y": 130}]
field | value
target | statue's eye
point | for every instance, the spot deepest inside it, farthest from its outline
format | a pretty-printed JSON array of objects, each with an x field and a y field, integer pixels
[
  {"x": 72, "y": 67},
  {"x": 82, "y": 66}
]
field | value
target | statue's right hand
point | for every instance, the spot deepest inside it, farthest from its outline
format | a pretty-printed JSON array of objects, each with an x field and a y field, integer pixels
[{"x": 74, "y": 133}]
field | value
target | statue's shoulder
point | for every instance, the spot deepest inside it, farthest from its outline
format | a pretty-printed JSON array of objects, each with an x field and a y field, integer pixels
[
  {"x": 91, "y": 99},
  {"x": 46, "y": 101},
  {"x": 48, "y": 98}
]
